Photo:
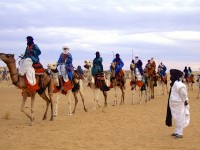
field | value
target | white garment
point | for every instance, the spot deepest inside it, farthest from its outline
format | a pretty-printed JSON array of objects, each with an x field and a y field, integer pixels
[
  {"x": 25, "y": 67},
  {"x": 180, "y": 112},
  {"x": 63, "y": 73},
  {"x": 138, "y": 74}
]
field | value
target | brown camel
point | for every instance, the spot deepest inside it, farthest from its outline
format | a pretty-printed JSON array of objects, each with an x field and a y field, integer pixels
[
  {"x": 77, "y": 88},
  {"x": 162, "y": 81},
  {"x": 117, "y": 82},
  {"x": 19, "y": 81},
  {"x": 189, "y": 80},
  {"x": 142, "y": 86},
  {"x": 150, "y": 75}
]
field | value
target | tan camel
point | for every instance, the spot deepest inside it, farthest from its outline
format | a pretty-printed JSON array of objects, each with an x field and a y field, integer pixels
[
  {"x": 91, "y": 82},
  {"x": 77, "y": 82},
  {"x": 163, "y": 82},
  {"x": 19, "y": 81},
  {"x": 117, "y": 83},
  {"x": 139, "y": 83}
]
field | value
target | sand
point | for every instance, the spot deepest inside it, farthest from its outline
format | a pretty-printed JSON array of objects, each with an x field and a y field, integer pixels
[{"x": 121, "y": 127}]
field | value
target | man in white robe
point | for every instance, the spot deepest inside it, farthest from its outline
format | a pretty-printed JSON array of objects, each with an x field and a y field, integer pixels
[{"x": 178, "y": 103}]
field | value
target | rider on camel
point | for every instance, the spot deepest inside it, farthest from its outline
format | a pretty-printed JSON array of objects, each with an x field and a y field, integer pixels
[
  {"x": 66, "y": 68},
  {"x": 119, "y": 73},
  {"x": 162, "y": 69},
  {"x": 138, "y": 64},
  {"x": 150, "y": 69},
  {"x": 97, "y": 72},
  {"x": 30, "y": 65}
]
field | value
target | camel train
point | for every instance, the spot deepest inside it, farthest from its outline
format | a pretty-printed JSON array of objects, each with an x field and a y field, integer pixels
[{"x": 50, "y": 81}]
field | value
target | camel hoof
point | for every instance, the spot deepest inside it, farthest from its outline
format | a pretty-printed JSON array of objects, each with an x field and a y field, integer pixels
[
  {"x": 70, "y": 114},
  {"x": 51, "y": 119},
  {"x": 30, "y": 124},
  {"x": 86, "y": 110}
]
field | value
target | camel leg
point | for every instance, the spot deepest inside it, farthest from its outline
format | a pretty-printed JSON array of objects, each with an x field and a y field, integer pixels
[
  {"x": 50, "y": 93},
  {"x": 105, "y": 98},
  {"x": 97, "y": 97},
  {"x": 198, "y": 92},
  {"x": 69, "y": 102},
  {"x": 83, "y": 100},
  {"x": 133, "y": 94},
  {"x": 23, "y": 105},
  {"x": 76, "y": 101},
  {"x": 94, "y": 92},
  {"x": 44, "y": 96},
  {"x": 56, "y": 102},
  {"x": 115, "y": 95},
  {"x": 146, "y": 95},
  {"x": 122, "y": 96},
  {"x": 32, "y": 109}
]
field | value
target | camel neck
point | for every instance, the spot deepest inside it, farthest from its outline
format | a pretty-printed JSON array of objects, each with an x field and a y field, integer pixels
[{"x": 13, "y": 72}]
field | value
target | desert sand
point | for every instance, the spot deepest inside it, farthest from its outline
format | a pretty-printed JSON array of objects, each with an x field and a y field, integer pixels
[{"x": 121, "y": 127}]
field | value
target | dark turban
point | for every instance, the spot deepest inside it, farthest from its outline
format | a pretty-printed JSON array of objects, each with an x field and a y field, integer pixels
[
  {"x": 97, "y": 54},
  {"x": 175, "y": 75},
  {"x": 29, "y": 40}
]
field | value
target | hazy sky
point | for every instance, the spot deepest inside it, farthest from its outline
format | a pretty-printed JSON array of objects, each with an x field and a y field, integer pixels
[{"x": 168, "y": 30}]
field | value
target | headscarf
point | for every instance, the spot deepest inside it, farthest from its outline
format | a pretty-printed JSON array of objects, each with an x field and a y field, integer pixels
[
  {"x": 97, "y": 54},
  {"x": 29, "y": 40}
]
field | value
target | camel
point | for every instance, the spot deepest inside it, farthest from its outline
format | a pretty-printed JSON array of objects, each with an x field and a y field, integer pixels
[
  {"x": 189, "y": 80},
  {"x": 19, "y": 81},
  {"x": 91, "y": 82},
  {"x": 149, "y": 74},
  {"x": 198, "y": 84},
  {"x": 117, "y": 83},
  {"x": 163, "y": 82},
  {"x": 134, "y": 81},
  {"x": 77, "y": 82}
]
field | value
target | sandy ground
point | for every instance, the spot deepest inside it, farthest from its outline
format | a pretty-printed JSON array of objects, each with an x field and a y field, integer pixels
[{"x": 122, "y": 127}]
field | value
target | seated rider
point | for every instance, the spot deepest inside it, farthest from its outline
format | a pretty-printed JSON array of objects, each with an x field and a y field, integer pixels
[
  {"x": 97, "y": 72},
  {"x": 119, "y": 73},
  {"x": 66, "y": 68},
  {"x": 30, "y": 64},
  {"x": 162, "y": 70},
  {"x": 138, "y": 64},
  {"x": 185, "y": 72},
  {"x": 150, "y": 69}
]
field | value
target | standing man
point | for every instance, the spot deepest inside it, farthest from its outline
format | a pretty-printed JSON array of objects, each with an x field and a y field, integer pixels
[{"x": 178, "y": 106}]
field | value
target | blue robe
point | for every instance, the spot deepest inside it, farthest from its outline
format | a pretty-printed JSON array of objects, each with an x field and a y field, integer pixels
[
  {"x": 33, "y": 53},
  {"x": 119, "y": 65},
  {"x": 97, "y": 66},
  {"x": 67, "y": 60}
]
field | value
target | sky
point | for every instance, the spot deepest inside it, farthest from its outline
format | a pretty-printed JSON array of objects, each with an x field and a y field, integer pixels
[{"x": 167, "y": 30}]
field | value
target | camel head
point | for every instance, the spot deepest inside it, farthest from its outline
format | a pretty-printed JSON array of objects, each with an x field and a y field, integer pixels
[
  {"x": 87, "y": 64},
  {"x": 113, "y": 65},
  {"x": 7, "y": 58},
  {"x": 132, "y": 67},
  {"x": 52, "y": 66}
]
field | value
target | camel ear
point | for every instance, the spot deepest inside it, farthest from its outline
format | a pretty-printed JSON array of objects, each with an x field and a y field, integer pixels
[{"x": 12, "y": 55}]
